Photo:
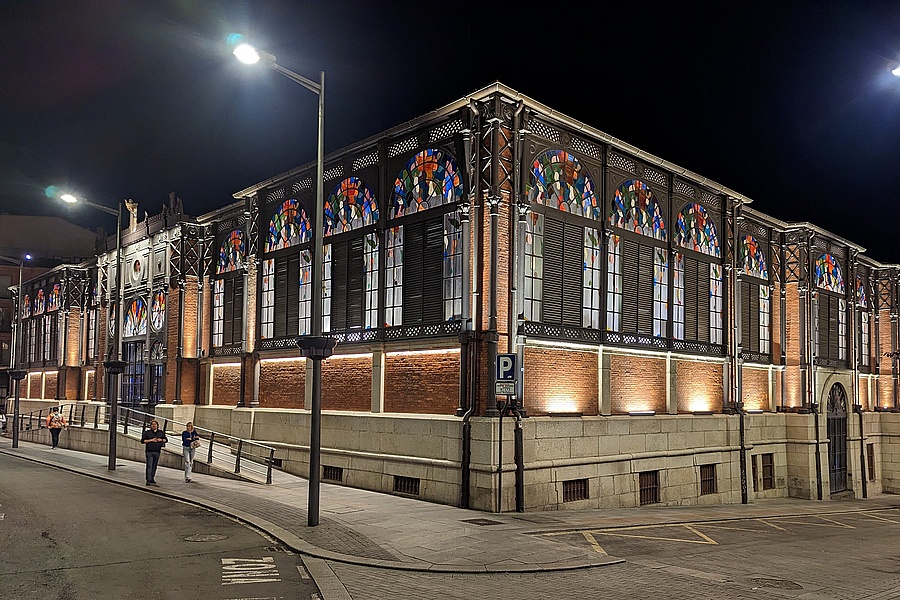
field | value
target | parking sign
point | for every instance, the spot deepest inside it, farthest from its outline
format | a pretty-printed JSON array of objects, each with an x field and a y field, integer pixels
[{"x": 506, "y": 367}]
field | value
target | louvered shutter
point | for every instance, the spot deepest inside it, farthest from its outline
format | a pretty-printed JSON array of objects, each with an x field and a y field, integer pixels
[
  {"x": 355, "y": 281},
  {"x": 292, "y": 320},
  {"x": 833, "y": 341},
  {"x": 692, "y": 300},
  {"x": 703, "y": 302},
  {"x": 753, "y": 304},
  {"x": 433, "y": 271},
  {"x": 645, "y": 290},
  {"x": 413, "y": 269},
  {"x": 281, "y": 297},
  {"x": 572, "y": 274},
  {"x": 745, "y": 292},
  {"x": 554, "y": 260},
  {"x": 228, "y": 312},
  {"x": 339, "y": 286},
  {"x": 630, "y": 278}
]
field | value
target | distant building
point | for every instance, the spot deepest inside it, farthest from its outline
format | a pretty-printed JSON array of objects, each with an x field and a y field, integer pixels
[{"x": 676, "y": 346}]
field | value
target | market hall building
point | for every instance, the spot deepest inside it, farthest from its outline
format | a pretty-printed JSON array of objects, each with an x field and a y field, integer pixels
[{"x": 675, "y": 345}]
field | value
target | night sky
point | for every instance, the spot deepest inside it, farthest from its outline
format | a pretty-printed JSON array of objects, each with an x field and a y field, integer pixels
[{"x": 790, "y": 103}]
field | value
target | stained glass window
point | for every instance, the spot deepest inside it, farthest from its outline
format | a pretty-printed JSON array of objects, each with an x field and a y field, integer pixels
[
  {"x": 453, "y": 281},
  {"x": 753, "y": 258},
  {"x": 634, "y": 208},
  {"x": 429, "y": 179},
  {"x": 678, "y": 298},
  {"x": 592, "y": 279},
  {"x": 158, "y": 311},
  {"x": 350, "y": 206},
  {"x": 534, "y": 265},
  {"x": 393, "y": 275},
  {"x": 828, "y": 274},
  {"x": 53, "y": 301},
  {"x": 864, "y": 338},
  {"x": 26, "y": 306},
  {"x": 111, "y": 318},
  {"x": 135, "y": 318},
  {"x": 218, "y": 311},
  {"x": 40, "y": 303},
  {"x": 764, "y": 317},
  {"x": 696, "y": 230},
  {"x": 288, "y": 227},
  {"x": 716, "y": 329},
  {"x": 327, "y": 290},
  {"x": 370, "y": 257},
  {"x": 614, "y": 284},
  {"x": 560, "y": 181},
  {"x": 231, "y": 253},
  {"x": 305, "y": 314},
  {"x": 660, "y": 292},
  {"x": 267, "y": 313},
  {"x": 842, "y": 330},
  {"x": 861, "y": 297}
]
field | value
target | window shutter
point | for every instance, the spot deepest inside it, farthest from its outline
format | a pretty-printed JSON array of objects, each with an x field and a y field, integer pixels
[
  {"x": 281, "y": 296},
  {"x": 630, "y": 279},
  {"x": 433, "y": 271},
  {"x": 692, "y": 300},
  {"x": 645, "y": 290},
  {"x": 292, "y": 320},
  {"x": 745, "y": 293},
  {"x": 703, "y": 302},
  {"x": 833, "y": 340},
  {"x": 355, "y": 283},
  {"x": 228, "y": 311},
  {"x": 413, "y": 270},
  {"x": 572, "y": 274},
  {"x": 554, "y": 261},
  {"x": 339, "y": 258},
  {"x": 753, "y": 303}
]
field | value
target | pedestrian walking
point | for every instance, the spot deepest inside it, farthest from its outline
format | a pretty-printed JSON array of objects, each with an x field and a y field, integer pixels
[
  {"x": 153, "y": 439},
  {"x": 190, "y": 441},
  {"x": 55, "y": 423}
]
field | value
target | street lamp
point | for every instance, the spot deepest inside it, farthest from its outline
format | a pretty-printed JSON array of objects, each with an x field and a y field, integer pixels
[
  {"x": 113, "y": 365},
  {"x": 14, "y": 372},
  {"x": 315, "y": 346}
]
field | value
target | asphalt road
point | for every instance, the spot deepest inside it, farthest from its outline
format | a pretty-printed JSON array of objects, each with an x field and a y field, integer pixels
[{"x": 65, "y": 536}]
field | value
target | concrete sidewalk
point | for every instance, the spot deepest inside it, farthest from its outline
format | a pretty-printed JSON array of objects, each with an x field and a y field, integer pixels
[{"x": 380, "y": 530}]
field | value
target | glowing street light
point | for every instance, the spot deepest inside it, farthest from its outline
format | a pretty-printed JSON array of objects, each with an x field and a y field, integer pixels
[{"x": 315, "y": 346}]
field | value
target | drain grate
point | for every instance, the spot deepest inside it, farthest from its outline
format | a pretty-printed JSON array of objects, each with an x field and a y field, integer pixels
[
  {"x": 481, "y": 522},
  {"x": 206, "y": 537},
  {"x": 781, "y": 584}
]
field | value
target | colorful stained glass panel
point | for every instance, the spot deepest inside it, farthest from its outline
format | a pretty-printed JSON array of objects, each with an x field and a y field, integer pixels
[
  {"x": 634, "y": 208},
  {"x": 696, "y": 231},
  {"x": 40, "y": 303},
  {"x": 429, "y": 179},
  {"x": 158, "y": 311},
  {"x": 350, "y": 206},
  {"x": 231, "y": 253},
  {"x": 288, "y": 227},
  {"x": 54, "y": 300},
  {"x": 861, "y": 297},
  {"x": 559, "y": 180},
  {"x": 135, "y": 318},
  {"x": 753, "y": 258},
  {"x": 828, "y": 274}
]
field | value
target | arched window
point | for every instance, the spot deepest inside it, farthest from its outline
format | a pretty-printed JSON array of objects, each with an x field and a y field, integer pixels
[
  {"x": 696, "y": 231},
  {"x": 351, "y": 259},
  {"x": 637, "y": 294},
  {"x": 832, "y": 325},
  {"x": 54, "y": 301},
  {"x": 563, "y": 261},
  {"x": 752, "y": 258},
  {"x": 289, "y": 226},
  {"x": 696, "y": 280},
  {"x": 158, "y": 311},
  {"x": 558, "y": 180},
  {"x": 862, "y": 302},
  {"x": 755, "y": 301},
  {"x": 228, "y": 291},
  {"x": 423, "y": 269}
]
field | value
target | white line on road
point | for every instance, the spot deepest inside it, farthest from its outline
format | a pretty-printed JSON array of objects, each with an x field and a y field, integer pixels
[{"x": 302, "y": 571}]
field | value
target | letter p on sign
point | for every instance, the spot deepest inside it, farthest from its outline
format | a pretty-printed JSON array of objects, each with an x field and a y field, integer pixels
[{"x": 506, "y": 367}]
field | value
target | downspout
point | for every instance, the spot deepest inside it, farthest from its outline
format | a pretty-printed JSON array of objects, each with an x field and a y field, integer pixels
[
  {"x": 738, "y": 345},
  {"x": 895, "y": 377},
  {"x": 517, "y": 274},
  {"x": 201, "y": 282},
  {"x": 492, "y": 336},
  {"x": 466, "y": 399},
  {"x": 811, "y": 345},
  {"x": 877, "y": 366},
  {"x": 783, "y": 327},
  {"x": 179, "y": 349}
]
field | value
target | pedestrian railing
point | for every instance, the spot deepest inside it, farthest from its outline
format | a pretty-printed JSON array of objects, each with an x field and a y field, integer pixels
[{"x": 242, "y": 457}]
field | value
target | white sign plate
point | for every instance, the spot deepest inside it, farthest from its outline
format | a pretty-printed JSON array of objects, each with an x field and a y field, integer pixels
[{"x": 505, "y": 388}]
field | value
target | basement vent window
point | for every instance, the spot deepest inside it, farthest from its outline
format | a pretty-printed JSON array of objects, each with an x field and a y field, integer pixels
[
  {"x": 870, "y": 461},
  {"x": 332, "y": 473},
  {"x": 768, "y": 471},
  {"x": 406, "y": 485},
  {"x": 649, "y": 481},
  {"x": 277, "y": 462},
  {"x": 575, "y": 489},
  {"x": 708, "y": 480}
]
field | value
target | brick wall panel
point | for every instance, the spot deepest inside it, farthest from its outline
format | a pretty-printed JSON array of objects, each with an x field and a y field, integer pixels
[
  {"x": 282, "y": 384},
  {"x": 347, "y": 384},
  {"x": 560, "y": 381},
  {"x": 226, "y": 384},
  {"x": 755, "y": 386},
  {"x": 637, "y": 383},
  {"x": 699, "y": 386},
  {"x": 422, "y": 383}
]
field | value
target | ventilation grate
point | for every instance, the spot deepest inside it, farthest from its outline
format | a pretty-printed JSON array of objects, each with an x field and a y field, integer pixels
[
  {"x": 332, "y": 473},
  {"x": 575, "y": 489},
  {"x": 406, "y": 485}
]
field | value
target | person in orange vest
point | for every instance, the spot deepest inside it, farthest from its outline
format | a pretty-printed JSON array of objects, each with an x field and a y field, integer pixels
[{"x": 55, "y": 423}]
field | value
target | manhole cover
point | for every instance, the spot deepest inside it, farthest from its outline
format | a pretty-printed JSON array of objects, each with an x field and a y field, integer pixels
[
  {"x": 781, "y": 584},
  {"x": 481, "y": 522},
  {"x": 206, "y": 537}
]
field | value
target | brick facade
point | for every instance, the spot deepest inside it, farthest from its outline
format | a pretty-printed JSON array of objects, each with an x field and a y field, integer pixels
[
  {"x": 699, "y": 386},
  {"x": 637, "y": 383},
  {"x": 425, "y": 383},
  {"x": 282, "y": 383},
  {"x": 561, "y": 381}
]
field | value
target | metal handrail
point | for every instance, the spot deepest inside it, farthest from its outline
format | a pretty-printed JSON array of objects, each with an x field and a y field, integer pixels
[{"x": 221, "y": 447}]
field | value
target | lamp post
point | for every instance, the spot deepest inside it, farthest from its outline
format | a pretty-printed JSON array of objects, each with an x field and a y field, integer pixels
[
  {"x": 113, "y": 366},
  {"x": 315, "y": 346},
  {"x": 16, "y": 374}
]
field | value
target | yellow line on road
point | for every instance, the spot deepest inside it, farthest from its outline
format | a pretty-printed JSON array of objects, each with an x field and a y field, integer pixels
[
  {"x": 763, "y": 521},
  {"x": 593, "y": 542},
  {"x": 874, "y": 516}
]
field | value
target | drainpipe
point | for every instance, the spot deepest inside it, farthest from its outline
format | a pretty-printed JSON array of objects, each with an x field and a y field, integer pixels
[
  {"x": 518, "y": 232},
  {"x": 467, "y": 396},
  {"x": 743, "y": 457},
  {"x": 494, "y": 198},
  {"x": 179, "y": 349},
  {"x": 854, "y": 358},
  {"x": 738, "y": 345},
  {"x": 520, "y": 461},
  {"x": 783, "y": 328},
  {"x": 811, "y": 345}
]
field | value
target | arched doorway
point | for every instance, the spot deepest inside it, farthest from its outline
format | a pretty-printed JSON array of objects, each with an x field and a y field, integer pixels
[{"x": 837, "y": 438}]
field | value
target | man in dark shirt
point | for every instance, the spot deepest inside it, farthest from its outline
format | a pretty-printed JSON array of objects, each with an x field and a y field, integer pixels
[{"x": 153, "y": 439}]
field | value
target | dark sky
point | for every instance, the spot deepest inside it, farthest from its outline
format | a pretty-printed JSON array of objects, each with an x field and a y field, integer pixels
[{"x": 790, "y": 103}]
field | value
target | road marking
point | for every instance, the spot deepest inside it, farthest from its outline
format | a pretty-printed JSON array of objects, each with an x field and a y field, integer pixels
[
  {"x": 302, "y": 571},
  {"x": 773, "y": 525},
  {"x": 2, "y": 516},
  {"x": 249, "y": 570},
  {"x": 879, "y": 518},
  {"x": 593, "y": 542},
  {"x": 831, "y": 522}
]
